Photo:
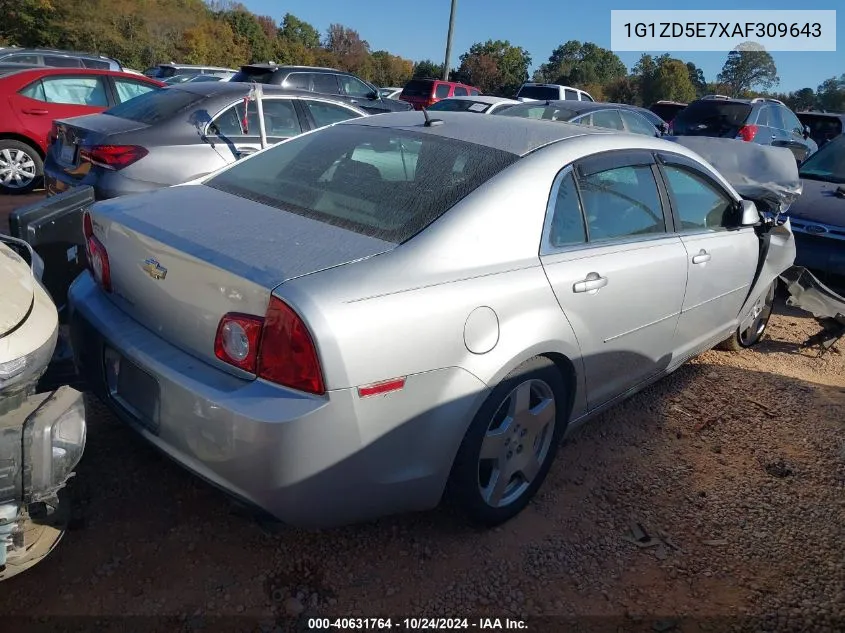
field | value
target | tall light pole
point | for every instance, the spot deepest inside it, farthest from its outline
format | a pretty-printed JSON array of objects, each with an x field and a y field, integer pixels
[{"x": 449, "y": 41}]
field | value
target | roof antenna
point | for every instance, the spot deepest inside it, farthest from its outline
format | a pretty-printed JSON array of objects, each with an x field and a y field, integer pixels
[{"x": 430, "y": 122}]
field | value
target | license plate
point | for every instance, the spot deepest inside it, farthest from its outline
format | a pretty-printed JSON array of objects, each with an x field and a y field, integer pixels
[
  {"x": 133, "y": 389},
  {"x": 68, "y": 153}
]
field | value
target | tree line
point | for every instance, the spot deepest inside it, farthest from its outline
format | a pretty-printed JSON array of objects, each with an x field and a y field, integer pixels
[{"x": 142, "y": 33}]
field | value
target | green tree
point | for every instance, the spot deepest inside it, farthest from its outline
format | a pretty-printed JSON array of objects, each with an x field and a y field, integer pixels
[
  {"x": 510, "y": 62},
  {"x": 831, "y": 94},
  {"x": 745, "y": 70},
  {"x": 577, "y": 64},
  {"x": 427, "y": 69},
  {"x": 696, "y": 77},
  {"x": 295, "y": 30},
  {"x": 672, "y": 81},
  {"x": 390, "y": 70},
  {"x": 351, "y": 51}
]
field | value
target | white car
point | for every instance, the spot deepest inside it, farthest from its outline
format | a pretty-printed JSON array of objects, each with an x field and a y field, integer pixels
[
  {"x": 480, "y": 104},
  {"x": 42, "y": 433},
  {"x": 551, "y": 92}
]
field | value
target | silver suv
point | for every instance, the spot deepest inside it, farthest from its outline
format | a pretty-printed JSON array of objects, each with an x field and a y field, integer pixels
[{"x": 57, "y": 58}]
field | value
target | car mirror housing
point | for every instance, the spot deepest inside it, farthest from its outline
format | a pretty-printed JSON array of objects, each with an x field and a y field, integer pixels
[{"x": 748, "y": 213}]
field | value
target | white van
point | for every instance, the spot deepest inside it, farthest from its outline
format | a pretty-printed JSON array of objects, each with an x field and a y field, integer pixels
[{"x": 551, "y": 92}]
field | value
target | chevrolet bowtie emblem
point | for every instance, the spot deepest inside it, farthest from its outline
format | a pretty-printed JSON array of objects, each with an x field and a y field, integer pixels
[{"x": 154, "y": 269}]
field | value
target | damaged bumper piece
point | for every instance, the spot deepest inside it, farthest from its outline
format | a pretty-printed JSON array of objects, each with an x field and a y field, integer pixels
[
  {"x": 41, "y": 442},
  {"x": 807, "y": 293}
]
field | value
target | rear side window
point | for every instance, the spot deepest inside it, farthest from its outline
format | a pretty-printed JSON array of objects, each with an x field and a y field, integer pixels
[
  {"x": 586, "y": 97},
  {"x": 570, "y": 95},
  {"x": 129, "y": 89},
  {"x": 460, "y": 91},
  {"x": 22, "y": 59},
  {"x": 325, "y": 83},
  {"x": 711, "y": 118},
  {"x": 155, "y": 106},
  {"x": 61, "y": 62},
  {"x": 567, "y": 227},
  {"x": 540, "y": 93},
  {"x": 608, "y": 119},
  {"x": 99, "y": 64},
  {"x": 473, "y": 92},
  {"x": 372, "y": 181},
  {"x": 442, "y": 91},
  {"x": 76, "y": 90},
  {"x": 418, "y": 88}
]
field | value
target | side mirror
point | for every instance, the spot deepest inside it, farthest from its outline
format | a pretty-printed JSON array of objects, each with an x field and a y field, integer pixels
[
  {"x": 807, "y": 131},
  {"x": 373, "y": 95},
  {"x": 749, "y": 215}
]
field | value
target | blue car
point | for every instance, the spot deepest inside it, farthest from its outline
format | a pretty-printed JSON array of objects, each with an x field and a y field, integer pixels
[{"x": 818, "y": 216}]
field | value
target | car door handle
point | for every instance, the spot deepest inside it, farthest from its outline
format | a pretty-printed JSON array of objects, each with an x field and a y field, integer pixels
[
  {"x": 703, "y": 256},
  {"x": 35, "y": 111},
  {"x": 592, "y": 283}
]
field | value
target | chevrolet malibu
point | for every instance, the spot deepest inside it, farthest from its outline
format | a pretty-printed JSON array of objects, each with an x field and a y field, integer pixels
[{"x": 369, "y": 317}]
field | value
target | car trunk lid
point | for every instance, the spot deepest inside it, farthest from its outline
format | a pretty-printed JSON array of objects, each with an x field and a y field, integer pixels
[
  {"x": 86, "y": 131},
  {"x": 180, "y": 258}
]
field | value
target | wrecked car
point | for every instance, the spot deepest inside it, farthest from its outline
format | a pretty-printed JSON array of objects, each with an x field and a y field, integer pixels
[
  {"x": 390, "y": 311},
  {"x": 42, "y": 430}
]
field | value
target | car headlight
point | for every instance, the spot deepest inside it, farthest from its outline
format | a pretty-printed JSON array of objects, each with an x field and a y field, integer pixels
[
  {"x": 27, "y": 368},
  {"x": 53, "y": 442}
]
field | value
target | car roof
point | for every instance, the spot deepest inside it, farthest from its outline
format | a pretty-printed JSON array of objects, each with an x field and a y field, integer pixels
[
  {"x": 516, "y": 135},
  {"x": 275, "y": 67},
  {"x": 576, "y": 107},
  {"x": 56, "y": 51},
  {"x": 222, "y": 88},
  {"x": 831, "y": 115},
  {"x": 43, "y": 71},
  {"x": 482, "y": 99}
]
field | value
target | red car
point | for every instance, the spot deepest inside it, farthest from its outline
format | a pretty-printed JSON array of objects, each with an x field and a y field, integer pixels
[
  {"x": 31, "y": 99},
  {"x": 423, "y": 93}
]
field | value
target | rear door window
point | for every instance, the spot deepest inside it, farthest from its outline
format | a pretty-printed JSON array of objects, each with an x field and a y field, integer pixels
[
  {"x": 325, "y": 83},
  {"x": 442, "y": 91},
  {"x": 280, "y": 119},
  {"x": 570, "y": 95},
  {"x": 460, "y": 91},
  {"x": 608, "y": 119},
  {"x": 325, "y": 113}
]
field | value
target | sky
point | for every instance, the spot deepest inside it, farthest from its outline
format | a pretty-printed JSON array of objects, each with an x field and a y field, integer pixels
[{"x": 417, "y": 29}]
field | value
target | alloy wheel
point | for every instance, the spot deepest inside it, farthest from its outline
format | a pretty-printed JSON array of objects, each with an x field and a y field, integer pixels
[
  {"x": 761, "y": 312},
  {"x": 17, "y": 169}
]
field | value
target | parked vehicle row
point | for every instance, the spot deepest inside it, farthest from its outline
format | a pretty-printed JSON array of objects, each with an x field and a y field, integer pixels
[{"x": 57, "y": 58}]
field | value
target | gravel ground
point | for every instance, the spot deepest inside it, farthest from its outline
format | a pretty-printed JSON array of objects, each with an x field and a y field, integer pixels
[{"x": 717, "y": 493}]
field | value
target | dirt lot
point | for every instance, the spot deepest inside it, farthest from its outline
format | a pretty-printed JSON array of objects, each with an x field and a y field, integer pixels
[{"x": 734, "y": 467}]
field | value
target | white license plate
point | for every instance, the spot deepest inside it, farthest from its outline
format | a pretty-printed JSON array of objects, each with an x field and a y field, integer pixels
[{"x": 68, "y": 153}]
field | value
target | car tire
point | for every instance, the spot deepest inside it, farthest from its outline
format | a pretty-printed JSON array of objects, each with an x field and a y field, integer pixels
[
  {"x": 21, "y": 167},
  {"x": 519, "y": 427},
  {"x": 752, "y": 335}
]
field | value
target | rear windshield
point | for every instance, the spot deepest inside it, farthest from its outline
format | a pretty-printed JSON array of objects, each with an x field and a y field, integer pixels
[
  {"x": 531, "y": 111},
  {"x": 384, "y": 183},
  {"x": 666, "y": 111},
  {"x": 418, "y": 88},
  {"x": 540, "y": 93},
  {"x": 459, "y": 105},
  {"x": 711, "y": 118},
  {"x": 154, "y": 106},
  {"x": 824, "y": 128},
  {"x": 254, "y": 75}
]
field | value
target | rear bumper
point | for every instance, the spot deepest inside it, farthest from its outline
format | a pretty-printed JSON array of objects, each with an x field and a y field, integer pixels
[
  {"x": 310, "y": 461},
  {"x": 106, "y": 183}
]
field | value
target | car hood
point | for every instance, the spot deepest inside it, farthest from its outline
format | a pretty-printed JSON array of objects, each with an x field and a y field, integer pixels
[
  {"x": 819, "y": 203},
  {"x": 18, "y": 289}
]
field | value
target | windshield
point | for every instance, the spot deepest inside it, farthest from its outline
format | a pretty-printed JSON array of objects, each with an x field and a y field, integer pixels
[
  {"x": 711, "y": 118},
  {"x": 826, "y": 164},
  {"x": 531, "y": 111},
  {"x": 540, "y": 93},
  {"x": 155, "y": 105},
  {"x": 384, "y": 183},
  {"x": 459, "y": 105}
]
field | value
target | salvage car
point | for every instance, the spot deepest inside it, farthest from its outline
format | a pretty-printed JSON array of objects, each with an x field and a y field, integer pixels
[
  {"x": 614, "y": 116},
  {"x": 355, "y": 322},
  {"x": 175, "y": 135},
  {"x": 818, "y": 216},
  {"x": 42, "y": 431}
]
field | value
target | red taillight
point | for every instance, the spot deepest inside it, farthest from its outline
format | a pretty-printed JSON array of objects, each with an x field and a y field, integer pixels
[
  {"x": 287, "y": 354},
  {"x": 748, "y": 132},
  {"x": 113, "y": 157},
  {"x": 277, "y": 348},
  {"x": 237, "y": 339},
  {"x": 98, "y": 258}
]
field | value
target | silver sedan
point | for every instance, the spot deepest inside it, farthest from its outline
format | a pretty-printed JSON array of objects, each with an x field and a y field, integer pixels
[{"x": 360, "y": 319}]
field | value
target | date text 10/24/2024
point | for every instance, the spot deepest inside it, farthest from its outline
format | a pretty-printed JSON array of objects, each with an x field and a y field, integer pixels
[{"x": 416, "y": 624}]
